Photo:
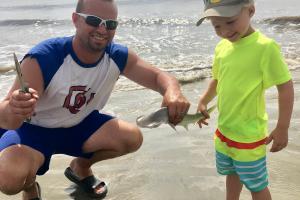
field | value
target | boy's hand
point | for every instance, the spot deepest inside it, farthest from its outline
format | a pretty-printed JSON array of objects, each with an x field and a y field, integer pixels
[
  {"x": 203, "y": 109},
  {"x": 21, "y": 104},
  {"x": 280, "y": 139}
]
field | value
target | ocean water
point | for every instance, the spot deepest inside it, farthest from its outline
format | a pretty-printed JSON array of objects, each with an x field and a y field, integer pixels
[{"x": 161, "y": 32}]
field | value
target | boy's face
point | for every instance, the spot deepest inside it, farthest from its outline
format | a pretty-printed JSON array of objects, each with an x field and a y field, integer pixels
[{"x": 236, "y": 27}]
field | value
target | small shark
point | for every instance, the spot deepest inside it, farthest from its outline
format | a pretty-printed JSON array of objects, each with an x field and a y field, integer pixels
[{"x": 161, "y": 116}]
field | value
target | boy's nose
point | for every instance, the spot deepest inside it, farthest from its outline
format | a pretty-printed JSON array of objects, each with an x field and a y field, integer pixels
[{"x": 225, "y": 32}]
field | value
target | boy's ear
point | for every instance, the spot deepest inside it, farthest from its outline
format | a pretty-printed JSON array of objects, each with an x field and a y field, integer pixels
[{"x": 251, "y": 10}]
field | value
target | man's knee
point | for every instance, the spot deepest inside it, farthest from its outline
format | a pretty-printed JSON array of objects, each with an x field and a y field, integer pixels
[
  {"x": 135, "y": 141},
  {"x": 11, "y": 182},
  {"x": 17, "y": 166}
]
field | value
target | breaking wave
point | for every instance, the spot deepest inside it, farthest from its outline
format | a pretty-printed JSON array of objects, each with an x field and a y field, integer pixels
[
  {"x": 35, "y": 7},
  {"x": 136, "y": 21},
  {"x": 283, "y": 20},
  {"x": 27, "y": 22}
]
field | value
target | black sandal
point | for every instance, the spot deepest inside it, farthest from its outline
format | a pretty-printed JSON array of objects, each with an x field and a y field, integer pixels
[{"x": 87, "y": 184}]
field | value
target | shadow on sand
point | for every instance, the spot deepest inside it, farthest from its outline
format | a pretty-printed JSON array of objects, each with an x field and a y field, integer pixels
[{"x": 76, "y": 193}]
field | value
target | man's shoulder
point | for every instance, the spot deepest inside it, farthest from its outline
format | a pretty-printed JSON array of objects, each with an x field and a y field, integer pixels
[
  {"x": 57, "y": 44},
  {"x": 50, "y": 55},
  {"x": 58, "y": 40},
  {"x": 114, "y": 48},
  {"x": 51, "y": 50},
  {"x": 118, "y": 53}
]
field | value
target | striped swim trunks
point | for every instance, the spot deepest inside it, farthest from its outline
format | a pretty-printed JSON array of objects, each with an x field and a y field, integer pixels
[{"x": 247, "y": 160}]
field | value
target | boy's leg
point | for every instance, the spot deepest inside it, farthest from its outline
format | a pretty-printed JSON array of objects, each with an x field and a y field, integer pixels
[
  {"x": 254, "y": 176},
  {"x": 233, "y": 184},
  {"x": 262, "y": 195},
  {"x": 233, "y": 187},
  {"x": 248, "y": 163}
]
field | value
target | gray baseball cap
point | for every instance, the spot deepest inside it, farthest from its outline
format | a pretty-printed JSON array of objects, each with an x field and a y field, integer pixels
[{"x": 222, "y": 8}]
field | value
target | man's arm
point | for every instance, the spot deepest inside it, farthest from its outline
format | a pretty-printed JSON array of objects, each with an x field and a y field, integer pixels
[
  {"x": 167, "y": 85},
  {"x": 285, "y": 105},
  {"x": 18, "y": 106}
]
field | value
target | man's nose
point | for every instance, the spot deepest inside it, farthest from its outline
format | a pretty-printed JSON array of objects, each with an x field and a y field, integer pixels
[{"x": 102, "y": 27}]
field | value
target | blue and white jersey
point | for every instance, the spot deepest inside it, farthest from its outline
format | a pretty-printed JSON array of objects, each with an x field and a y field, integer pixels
[{"x": 72, "y": 89}]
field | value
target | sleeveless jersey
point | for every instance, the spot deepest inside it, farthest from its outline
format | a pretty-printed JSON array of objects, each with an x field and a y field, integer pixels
[{"x": 72, "y": 89}]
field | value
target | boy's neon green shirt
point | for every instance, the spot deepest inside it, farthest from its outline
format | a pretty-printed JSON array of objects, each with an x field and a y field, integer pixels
[{"x": 244, "y": 70}]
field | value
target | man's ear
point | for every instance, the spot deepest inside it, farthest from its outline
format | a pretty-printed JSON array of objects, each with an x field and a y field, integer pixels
[{"x": 75, "y": 19}]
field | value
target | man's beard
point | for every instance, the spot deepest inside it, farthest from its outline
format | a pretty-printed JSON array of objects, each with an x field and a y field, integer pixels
[{"x": 95, "y": 47}]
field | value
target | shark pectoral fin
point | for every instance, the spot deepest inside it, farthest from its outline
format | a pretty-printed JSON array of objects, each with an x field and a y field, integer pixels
[
  {"x": 186, "y": 127},
  {"x": 172, "y": 126}
]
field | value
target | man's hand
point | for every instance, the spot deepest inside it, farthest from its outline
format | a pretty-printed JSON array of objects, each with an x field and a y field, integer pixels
[
  {"x": 21, "y": 105},
  {"x": 177, "y": 105}
]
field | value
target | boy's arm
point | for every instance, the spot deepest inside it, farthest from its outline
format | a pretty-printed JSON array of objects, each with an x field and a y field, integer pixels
[
  {"x": 210, "y": 93},
  {"x": 207, "y": 96},
  {"x": 285, "y": 100}
]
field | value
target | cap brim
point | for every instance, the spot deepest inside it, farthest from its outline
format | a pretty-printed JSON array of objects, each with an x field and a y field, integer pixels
[
  {"x": 199, "y": 22},
  {"x": 221, "y": 11}
]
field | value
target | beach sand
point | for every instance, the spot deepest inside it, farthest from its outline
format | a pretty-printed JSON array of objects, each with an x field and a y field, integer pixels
[{"x": 177, "y": 165}]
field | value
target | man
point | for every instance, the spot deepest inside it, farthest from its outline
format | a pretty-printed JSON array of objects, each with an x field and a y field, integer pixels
[{"x": 70, "y": 79}]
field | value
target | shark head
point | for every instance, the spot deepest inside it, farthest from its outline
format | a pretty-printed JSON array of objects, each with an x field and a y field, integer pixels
[{"x": 154, "y": 119}]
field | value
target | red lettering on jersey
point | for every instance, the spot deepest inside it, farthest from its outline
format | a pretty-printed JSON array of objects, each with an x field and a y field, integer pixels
[{"x": 77, "y": 98}]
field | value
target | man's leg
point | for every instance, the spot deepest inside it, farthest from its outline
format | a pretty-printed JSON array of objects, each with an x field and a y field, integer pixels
[
  {"x": 18, "y": 167},
  {"x": 113, "y": 139}
]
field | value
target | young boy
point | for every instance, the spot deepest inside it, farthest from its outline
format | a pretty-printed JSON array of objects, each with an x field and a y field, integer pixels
[{"x": 246, "y": 63}]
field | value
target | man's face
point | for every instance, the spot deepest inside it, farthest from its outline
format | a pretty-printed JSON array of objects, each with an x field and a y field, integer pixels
[{"x": 95, "y": 39}]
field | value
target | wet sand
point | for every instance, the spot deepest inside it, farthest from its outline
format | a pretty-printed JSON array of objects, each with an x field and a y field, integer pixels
[{"x": 177, "y": 165}]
